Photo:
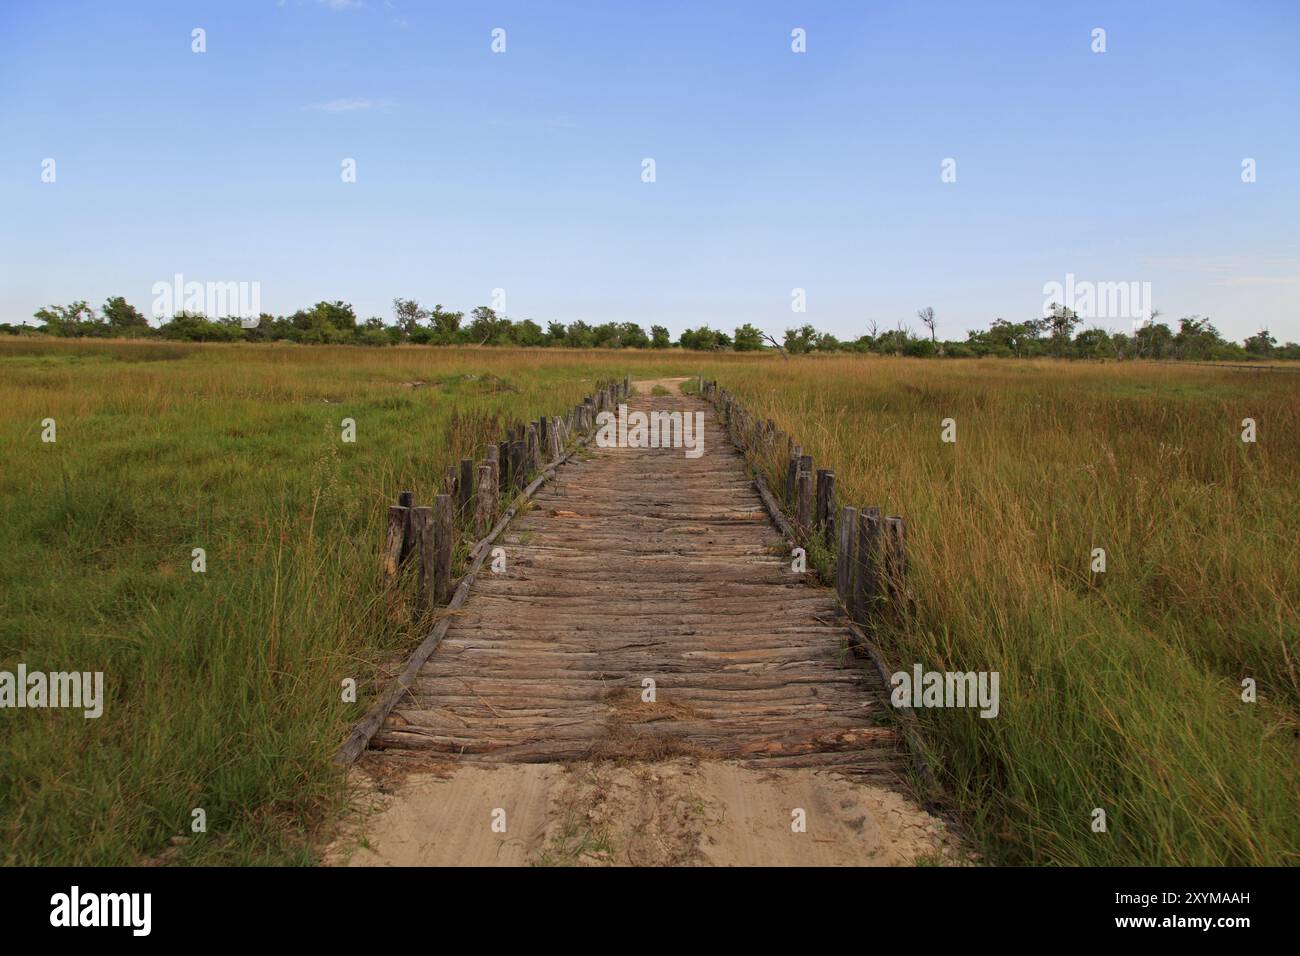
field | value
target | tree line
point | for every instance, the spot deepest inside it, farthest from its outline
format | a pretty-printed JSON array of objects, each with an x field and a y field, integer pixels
[{"x": 1057, "y": 334}]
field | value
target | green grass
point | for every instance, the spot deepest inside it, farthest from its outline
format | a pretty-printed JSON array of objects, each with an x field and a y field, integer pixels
[
  {"x": 223, "y": 688},
  {"x": 1123, "y": 692}
]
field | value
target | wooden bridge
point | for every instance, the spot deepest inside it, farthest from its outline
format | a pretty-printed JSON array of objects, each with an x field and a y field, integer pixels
[{"x": 647, "y": 609}]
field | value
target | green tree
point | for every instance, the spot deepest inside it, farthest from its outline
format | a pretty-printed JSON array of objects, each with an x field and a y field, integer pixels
[
  {"x": 1196, "y": 338},
  {"x": 529, "y": 334},
  {"x": 66, "y": 321},
  {"x": 446, "y": 324},
  {"x": 555, "y": 333},
  {"x": 123, "y": 317},
  {"x": 800, "y": 340},
  {"x": 748, "y": 338},
  {"x": 1261, "y": 344},
  {"x": 408, "y": 315},
  {"x": 484, "y": 325},
  {"x": 659, "y": 337}
]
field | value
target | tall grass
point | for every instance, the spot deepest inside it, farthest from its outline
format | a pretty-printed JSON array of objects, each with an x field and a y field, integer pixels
[
  {"x": 223, "y": 688},
  {"x": 1121, "y": 691}
]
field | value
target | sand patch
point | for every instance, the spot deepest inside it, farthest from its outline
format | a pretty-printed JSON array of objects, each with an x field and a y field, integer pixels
[{"x": 677, "y": 812}]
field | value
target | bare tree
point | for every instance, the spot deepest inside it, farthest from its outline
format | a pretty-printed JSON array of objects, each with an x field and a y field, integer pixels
[
  {"x": 926, "y": 316},
  {"x": 779, "y": 347}
]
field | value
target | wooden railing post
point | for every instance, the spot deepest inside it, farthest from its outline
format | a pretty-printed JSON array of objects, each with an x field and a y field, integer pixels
[
  {"x": 406, "y": 499},
  {"x": 804, "y": 494},
  {"x": 517, "y": 464},
  {"x": 533, "y": 453},
  {"x": 444, "y": 536},
  {"x": 867, "y": 561},
  {"x": 486, "y": 506},
  {"x": 422, "y": 521},
  {"x": 844, "y": 561},
  {"x": 390, "y": 561},
  {"x": 826, "y": 506},
  {"x": 466, "y": 487}
]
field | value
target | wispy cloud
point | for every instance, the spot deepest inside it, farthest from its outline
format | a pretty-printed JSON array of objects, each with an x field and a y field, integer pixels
[
  {"x": 353, "y": 104},
  {"x": 340, "y": 4}
]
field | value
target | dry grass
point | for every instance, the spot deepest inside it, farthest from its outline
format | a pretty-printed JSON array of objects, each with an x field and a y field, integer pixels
[
  {"x": 1121, "y": 691},
  {"x": 223, "y": 688}
]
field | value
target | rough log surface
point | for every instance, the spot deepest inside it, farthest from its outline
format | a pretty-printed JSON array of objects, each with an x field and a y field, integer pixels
[{"x": 636, "y": 565}]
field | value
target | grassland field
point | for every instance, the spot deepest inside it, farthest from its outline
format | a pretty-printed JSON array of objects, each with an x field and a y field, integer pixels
[{"x": 1120, "y": 691}]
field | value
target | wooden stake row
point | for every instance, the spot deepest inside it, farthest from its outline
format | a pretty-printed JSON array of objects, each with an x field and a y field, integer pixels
[
  {"x": 424, "y": 537},
  {"x": 870, "y": 549}
]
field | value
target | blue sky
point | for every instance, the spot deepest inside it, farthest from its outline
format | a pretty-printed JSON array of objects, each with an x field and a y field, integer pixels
[{"x": 774, "y": 170}]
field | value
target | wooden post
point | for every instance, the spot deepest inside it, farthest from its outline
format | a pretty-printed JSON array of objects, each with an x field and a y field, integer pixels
[
  {"x": 465, "y": 487},
  {"x": 486, "y": 504},
  {"x": 826, "y": 506},
  {"x": 390, "y": 561},
  {"x": 449, "y": 481},
  {"x": 517, "y": 464},
  {"x": 422, "y": 521},
  {"x": 804, "y": 493},
  {"x": 792, "y": 475},
  {"x": 406, "y": 499},
  {"x": 895, "y": 564},
  {"x": 503, "y": 466},
  {"x": 534, "y": 451},
  {"x": 444, "y": 534},
  {"x": 844, "y": 556},
  {"x": 867, "y": 563}
]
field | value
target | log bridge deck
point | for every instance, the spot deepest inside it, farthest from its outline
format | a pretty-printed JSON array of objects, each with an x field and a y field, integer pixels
[{"x": 636, "y": 565}]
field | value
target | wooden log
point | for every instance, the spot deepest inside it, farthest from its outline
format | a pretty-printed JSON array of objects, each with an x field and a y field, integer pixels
[
  {"x": 844, "y": 556},
  {"x": 792, "y": 476},
  {"x": 406, "y": 499},
  {"x": 486, "y": 504},
  {"x": 533, "y": 452},
  {"x": 422, "y": 522},
  {"x": 503, "y": 466},
  {"x": 868, "y": 590},
  {"x": 444, "y": 532},
  {"x": 518, "y": 464},
  {"x": 390, "y": 560},
  {"x": 826, "y": 506},
  {"x": 465, "y": 487},
  {"x": 804, "y": 495},
  {"x": 449, "y": 481}
]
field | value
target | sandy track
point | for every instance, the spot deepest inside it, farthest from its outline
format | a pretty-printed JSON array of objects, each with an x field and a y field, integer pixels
[{"x": 678, "y": 812}]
